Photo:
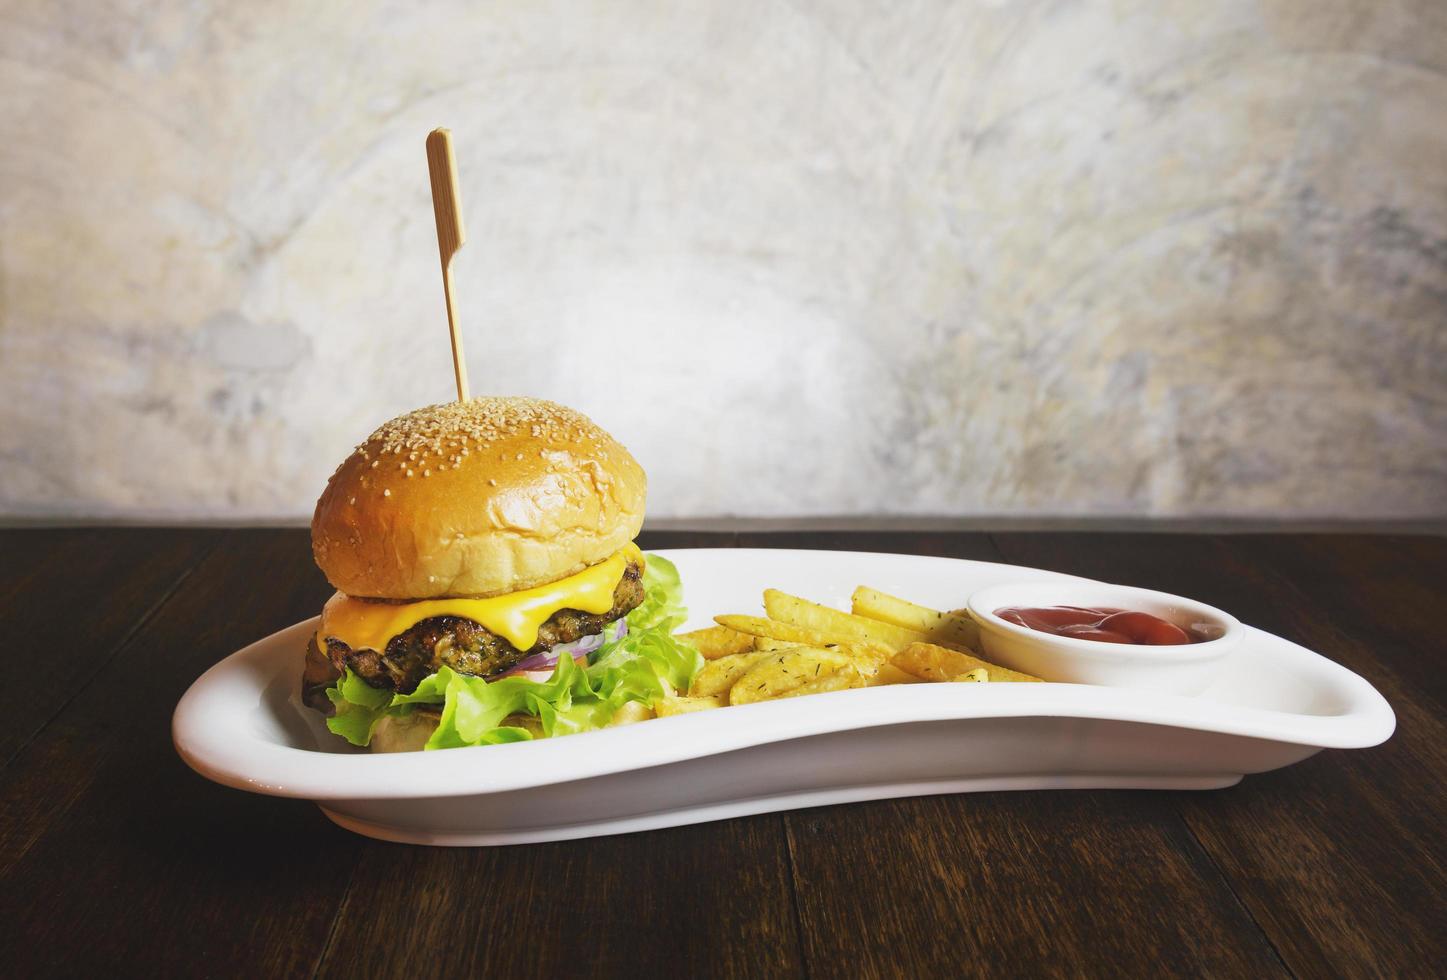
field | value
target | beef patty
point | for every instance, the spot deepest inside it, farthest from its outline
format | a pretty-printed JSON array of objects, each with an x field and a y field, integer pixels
[{"x": 465, "y": 646}]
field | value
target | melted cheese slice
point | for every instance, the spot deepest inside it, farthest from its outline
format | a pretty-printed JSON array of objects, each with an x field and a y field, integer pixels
[{"x": 516, "y": 617}]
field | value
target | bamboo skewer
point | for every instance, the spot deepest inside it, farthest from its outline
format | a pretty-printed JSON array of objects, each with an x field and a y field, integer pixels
[{"x": 442, "y": 166}]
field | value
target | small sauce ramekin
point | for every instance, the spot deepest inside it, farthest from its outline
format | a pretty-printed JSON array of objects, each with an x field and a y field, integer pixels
[{"x": 1186, "y": 668}]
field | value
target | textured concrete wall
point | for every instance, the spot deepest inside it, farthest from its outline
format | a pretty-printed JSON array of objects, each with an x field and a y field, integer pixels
[{"x": 1172, "y": 257}]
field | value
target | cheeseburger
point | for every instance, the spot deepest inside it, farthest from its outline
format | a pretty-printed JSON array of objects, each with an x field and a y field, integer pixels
[{"x": 485, "y": 540}]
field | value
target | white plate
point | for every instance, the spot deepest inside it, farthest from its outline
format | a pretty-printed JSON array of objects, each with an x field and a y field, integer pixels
[{"x": 1274, "y": 703}]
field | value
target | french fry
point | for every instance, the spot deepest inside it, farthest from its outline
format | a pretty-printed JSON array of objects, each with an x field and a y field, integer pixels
[
  {"x": 630, "y": 712},
  {"x": 718, "y": 641},
  {"x": 841, "y": 680},
  {"x": 717, "y": 676},
  {"x": 888, "y": 673},
  {"x": 810, "y": 615},
  {"x": 668, "y": 706},
  {"x": 779, "y": 672},
  {"x": 936, "y": 663},
  {"x": 953, "y": 629},
  {"x": 803, "y": 648},
  {"x": 772, "y": 629},
  {"x": 868, "y": 660},
  {"x": 871, "y": 656}
]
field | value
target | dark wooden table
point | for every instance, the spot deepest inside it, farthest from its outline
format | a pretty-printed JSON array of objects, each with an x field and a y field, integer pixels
[{"x": 117, "y": 860}]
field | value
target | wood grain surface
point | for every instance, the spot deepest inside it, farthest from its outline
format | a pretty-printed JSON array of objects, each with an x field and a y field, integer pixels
[{"x": 117, "y": 859}]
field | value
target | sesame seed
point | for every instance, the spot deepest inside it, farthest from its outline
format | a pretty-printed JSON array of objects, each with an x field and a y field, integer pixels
[
  {"x": 426, "y": 472},
  {"x": 452, "y": 428},
  {"x": 386, "y": 493},
  {"x": 409, "y": 472}
]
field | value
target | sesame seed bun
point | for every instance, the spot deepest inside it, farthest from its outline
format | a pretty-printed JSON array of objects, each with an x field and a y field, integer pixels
[{"x": 476, "y": 498}]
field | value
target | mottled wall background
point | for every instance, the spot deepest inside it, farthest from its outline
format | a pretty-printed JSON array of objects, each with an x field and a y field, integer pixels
[{"x": 1173, "y": 257}]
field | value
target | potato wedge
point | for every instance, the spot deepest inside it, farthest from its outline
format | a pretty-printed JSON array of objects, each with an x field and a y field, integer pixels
[
  {"x": 772, "y": 629},
  {"x": 868, "y": 660},
  {"x": 717, "y": 641},
  {"x": 888, "y": 673},
  {"x": 717, "y": 676},
  {"x": 666, "y": 707},
  {"x": 953, "y": 629},
  {"x": 810, "y": 615},
  {"x": 869, "y": 656},
  {"x": 936, "y": 663},
  {"x": 841, "y": 680},
  {"x": 631, "y": 712},
  {"x": 781, "y": 671}
]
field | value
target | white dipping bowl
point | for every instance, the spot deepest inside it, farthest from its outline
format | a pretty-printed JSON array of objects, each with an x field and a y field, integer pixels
[{"x": 1185, "y": 668}]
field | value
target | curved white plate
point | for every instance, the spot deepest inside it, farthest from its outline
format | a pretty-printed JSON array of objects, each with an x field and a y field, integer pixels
[{"x": 242, "y": 724}]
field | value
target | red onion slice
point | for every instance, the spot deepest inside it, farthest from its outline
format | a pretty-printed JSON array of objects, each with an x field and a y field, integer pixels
[{"x": 543, "y": 663}]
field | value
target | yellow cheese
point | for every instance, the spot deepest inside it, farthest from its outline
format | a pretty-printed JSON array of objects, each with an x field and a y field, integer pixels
[{"x": 516, "y": 617}]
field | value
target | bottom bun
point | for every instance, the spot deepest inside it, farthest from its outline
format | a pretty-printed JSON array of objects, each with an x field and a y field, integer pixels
[
  {"x": 410, "y": 733},
  {"x": 406, "y": 734}
]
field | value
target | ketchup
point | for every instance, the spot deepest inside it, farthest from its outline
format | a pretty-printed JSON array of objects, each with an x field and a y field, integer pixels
[{"x": 1098, "y": 623}]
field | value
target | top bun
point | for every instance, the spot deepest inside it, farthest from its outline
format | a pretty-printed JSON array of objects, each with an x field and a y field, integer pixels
[{"x": 476, "y": 498}]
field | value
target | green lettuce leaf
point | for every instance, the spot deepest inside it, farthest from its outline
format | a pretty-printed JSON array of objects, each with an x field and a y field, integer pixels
[
  {"x": 662, "y": 606},
  {"x": 642, "y": 665},
  {"x": 359, "y": 707}
]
